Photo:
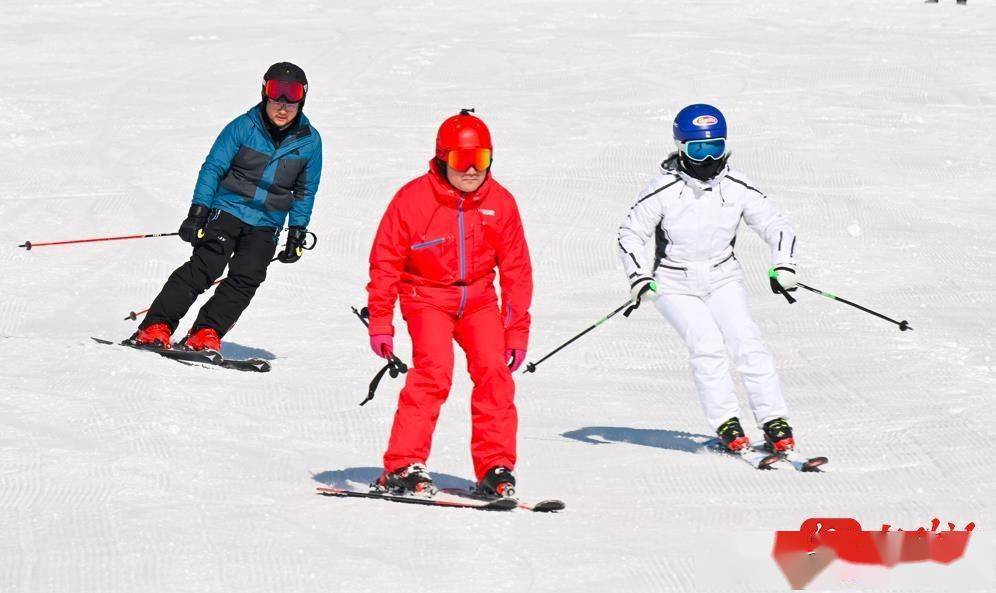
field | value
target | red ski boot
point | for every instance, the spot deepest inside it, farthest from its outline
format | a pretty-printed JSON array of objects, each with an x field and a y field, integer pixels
[
  {"x": 731, "y": 434},
  {"x": 778, "y": 435},
  {"x": 205, "y": 338},
  {"x": 411, "y": 479},
  {"x": 157, "y": 334}
]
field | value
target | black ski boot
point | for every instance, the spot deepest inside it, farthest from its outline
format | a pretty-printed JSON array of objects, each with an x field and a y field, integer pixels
[
  {"x": 411, "y": 479},
  {"x": 732, "y": 436},
  {"x": 778, "y": 435},
  {"x": 499, "y": 481}
]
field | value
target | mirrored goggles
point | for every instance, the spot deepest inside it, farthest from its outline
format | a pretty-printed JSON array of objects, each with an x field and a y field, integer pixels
[
  {"x": 291, "y": 92},
  {"x": 700, "y": 150},
  {"x": 464, "y": 159}
]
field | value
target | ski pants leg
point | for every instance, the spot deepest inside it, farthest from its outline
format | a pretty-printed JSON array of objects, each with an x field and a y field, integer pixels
[
  {"x": 206, "y": 264},
  {"x": 692, "y": 319},
  {"x": 728, "y": 305},
  {"x": 246, "y": 271},
  {"x": 711, "y": 324},
  {"x": 494, "y": 419},
  {"x": 427, "y": 385}
]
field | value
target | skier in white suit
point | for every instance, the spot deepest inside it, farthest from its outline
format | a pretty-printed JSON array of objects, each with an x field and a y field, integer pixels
[{"x": 690, "y": 214}]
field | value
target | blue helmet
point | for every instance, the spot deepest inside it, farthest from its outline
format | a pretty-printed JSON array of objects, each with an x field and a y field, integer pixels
[{"x": 699, "y": 122}]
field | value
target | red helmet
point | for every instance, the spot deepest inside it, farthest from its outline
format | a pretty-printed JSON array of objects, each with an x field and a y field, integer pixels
[{"x": 462, "y": 132}]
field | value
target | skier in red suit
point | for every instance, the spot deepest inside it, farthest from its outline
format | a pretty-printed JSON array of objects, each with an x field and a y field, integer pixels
[{"x": 437, "y": 250}]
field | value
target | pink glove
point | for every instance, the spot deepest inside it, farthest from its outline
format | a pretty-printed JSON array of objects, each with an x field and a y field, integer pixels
[
  {"x": 382, "y": 345},
  {"x": 517, "y": 357}
]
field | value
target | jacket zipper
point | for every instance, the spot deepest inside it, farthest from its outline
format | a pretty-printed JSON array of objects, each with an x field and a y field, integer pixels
[{"x": 461, "y": 251}]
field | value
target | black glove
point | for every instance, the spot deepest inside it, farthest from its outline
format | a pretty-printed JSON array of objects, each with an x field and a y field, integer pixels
[
  {"x": 192, "y": 228},
  {"x": 295, "y": 245}
]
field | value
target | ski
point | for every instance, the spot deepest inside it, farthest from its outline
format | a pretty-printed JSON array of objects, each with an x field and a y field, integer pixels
[
  {"x": 203, "y": 357},
  {"x": 803, "y": 463},
  {"x": 439, "y": 500},
  {"x": 549, "y": 505},
  {"x": 756, "y": 458}
]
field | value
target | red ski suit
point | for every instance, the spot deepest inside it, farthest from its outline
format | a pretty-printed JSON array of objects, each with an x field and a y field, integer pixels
[{"x": 436, "y": 250}]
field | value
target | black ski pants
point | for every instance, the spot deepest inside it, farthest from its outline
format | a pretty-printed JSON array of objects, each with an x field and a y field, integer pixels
[{"x": 245, "y": 249}]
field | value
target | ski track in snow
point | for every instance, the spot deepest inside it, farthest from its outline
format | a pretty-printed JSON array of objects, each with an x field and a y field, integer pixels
[{"x": 123, "y": 471}]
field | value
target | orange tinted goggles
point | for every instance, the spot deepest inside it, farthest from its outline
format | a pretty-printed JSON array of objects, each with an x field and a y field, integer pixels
[{"x": 464, "y": 159}]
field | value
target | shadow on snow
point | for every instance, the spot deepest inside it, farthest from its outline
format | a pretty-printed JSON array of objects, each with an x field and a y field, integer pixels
[
  {"x": 674, "y": 440},
  {"x": 238, "y": 351},
  {"x": 351, "y": 477}
]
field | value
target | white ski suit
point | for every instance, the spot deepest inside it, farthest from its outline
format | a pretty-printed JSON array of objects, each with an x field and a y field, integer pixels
[{"x": 693, "y": 227}]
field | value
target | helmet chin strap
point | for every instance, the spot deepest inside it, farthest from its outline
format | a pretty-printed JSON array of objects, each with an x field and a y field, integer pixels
[{"x": 702, "y": 170}]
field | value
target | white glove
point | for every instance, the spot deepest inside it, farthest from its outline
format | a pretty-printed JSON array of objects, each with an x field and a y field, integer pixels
[
  {"x": 782, "y": 278},
  {"x": 643, "y": 288}
]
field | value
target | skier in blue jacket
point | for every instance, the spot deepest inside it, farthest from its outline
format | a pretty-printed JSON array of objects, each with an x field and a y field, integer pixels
[{"x": 263, "y": 168}]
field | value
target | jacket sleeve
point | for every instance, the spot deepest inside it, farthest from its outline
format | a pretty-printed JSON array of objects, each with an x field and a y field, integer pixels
[
  {"x": 387, "y": 261},
  {"x": 515, "y": 272},
  {"x": 217, "y": 163},
  {"x": 306, "y": 186},
  {"x": 761, "y": 215},
  {"x": 637, "y": 231}
]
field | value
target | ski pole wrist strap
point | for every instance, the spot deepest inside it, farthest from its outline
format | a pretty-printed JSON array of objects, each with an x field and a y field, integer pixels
[{"x": 776, "y": 287}]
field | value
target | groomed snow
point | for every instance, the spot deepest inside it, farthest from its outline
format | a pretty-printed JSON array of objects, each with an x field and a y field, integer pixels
[{"x": 870, "y": 123}]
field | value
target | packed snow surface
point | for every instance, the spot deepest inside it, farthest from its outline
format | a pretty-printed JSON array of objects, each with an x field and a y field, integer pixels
[{"x": 869, "y": 123}]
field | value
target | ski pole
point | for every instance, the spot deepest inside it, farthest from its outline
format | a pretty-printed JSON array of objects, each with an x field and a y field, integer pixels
[
  {"x": 394, "y": 365},
  {"x": 903, "y": 325},
  {"x": 531, "y": 367},
  {"x": 27, "y": 245},
  {"x": 133, "y": 315}
]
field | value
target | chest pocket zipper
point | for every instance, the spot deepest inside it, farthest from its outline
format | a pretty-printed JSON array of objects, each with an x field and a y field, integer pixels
[{"x": 425, "y": 244}]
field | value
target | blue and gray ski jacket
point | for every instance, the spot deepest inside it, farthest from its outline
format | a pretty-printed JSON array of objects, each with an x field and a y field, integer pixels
[{"x": 249, "y": 177}]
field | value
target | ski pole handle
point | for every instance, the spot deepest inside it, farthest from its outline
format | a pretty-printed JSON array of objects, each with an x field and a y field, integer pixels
[{"x": 28, "y": 245}]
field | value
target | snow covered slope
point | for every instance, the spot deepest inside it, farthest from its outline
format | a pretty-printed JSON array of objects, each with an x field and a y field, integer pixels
[{"x": 870, "y": 123}]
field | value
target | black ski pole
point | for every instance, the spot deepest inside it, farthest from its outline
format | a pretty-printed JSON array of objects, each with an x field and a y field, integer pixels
[
  {"x": 903, "y": 325},
  {"x": 394, "y": 364},
  {"x": 531, "y": 367}
]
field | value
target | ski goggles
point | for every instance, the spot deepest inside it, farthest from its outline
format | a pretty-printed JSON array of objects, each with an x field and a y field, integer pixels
[
  {"x": 465, "y": 158},
  {"x": 700, "y": 150},
  {"x": 290, "y": 91}
]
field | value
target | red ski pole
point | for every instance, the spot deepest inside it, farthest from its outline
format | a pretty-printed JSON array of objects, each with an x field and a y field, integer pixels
[{"x": 28, "y": 244}]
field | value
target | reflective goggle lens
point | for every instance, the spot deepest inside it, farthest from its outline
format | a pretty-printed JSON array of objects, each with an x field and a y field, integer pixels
[
  {"x": 462, "y": 160},
  {"x": 290, "y": 91},
  {"x": 700, "y": 150}
]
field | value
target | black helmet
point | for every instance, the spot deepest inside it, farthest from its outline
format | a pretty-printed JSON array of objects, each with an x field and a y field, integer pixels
[{"x": 286, "y": 72}]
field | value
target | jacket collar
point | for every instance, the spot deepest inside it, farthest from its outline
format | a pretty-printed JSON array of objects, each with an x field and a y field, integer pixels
[
  {"x": 671, "y": 165},
  {"x": 255, "y": 116},
  {"x": 450, "y": 196}
]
